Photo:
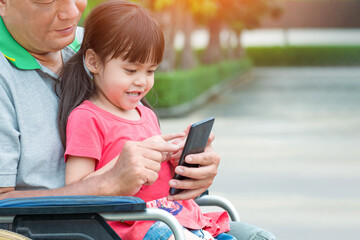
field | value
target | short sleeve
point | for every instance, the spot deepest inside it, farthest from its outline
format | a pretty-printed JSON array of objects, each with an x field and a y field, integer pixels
[
  {"x": 84, "y": 135},
  {"x": 9, "y": 140}
]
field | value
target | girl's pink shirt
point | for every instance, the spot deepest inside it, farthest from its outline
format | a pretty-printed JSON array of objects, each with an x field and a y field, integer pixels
[{"x": 95, "y": 133}]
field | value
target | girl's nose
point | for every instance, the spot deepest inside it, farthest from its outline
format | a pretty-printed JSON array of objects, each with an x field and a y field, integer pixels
[{"x": 141, "y": 80}]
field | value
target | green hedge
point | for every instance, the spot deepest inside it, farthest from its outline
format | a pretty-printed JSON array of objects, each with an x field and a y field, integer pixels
[
  {"x": 305, "y": 56},
  {"x": 178, "y": 87}
]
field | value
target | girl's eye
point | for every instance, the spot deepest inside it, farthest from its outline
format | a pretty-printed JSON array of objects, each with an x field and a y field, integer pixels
[
  {"x": 44, "y": 1},
  {"x": 130, "y": 70},
  {"x": 151, "y": 71}
]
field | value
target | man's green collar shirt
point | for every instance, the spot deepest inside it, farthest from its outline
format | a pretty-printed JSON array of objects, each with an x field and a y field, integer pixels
[{"x": 16, "y": 54}]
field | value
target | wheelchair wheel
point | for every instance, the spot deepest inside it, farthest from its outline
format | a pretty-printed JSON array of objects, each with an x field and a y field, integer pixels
[{"x": 7, "y": 235}]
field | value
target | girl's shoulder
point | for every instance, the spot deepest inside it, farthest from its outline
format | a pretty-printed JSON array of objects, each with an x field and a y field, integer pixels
[
  {"x": 86, "y": 118},
  {"x": 147, "y": 112},
  {"x": 84, "y": 111}
]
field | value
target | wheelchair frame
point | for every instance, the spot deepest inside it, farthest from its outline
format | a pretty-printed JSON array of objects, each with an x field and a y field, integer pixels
[{"x": 34, "y": 211}]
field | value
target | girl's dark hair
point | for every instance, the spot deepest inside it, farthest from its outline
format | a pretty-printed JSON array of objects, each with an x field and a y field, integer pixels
[{"x": 114, "y": 29}]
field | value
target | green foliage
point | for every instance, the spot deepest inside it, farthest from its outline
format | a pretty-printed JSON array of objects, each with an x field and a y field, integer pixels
[
  {"x": 178, "y": 87},
  {"x": 305, "y": 56},
  {"x": 90, "y": 5}
]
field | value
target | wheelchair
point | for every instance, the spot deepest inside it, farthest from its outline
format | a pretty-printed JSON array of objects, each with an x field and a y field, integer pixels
[{"x": 84, "y": 217}]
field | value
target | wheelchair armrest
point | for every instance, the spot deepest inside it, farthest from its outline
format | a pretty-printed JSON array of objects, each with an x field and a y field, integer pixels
[
  {"x": 70, "y": 205},
  {"x": 213, "y": 200}
]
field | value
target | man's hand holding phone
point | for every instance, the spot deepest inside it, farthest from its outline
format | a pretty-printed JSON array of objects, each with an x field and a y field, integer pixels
[{"x": 197, "y": 164}]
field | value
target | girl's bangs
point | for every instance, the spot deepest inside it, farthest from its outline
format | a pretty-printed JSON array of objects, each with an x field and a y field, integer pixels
[{"x": 142, "y": 43}]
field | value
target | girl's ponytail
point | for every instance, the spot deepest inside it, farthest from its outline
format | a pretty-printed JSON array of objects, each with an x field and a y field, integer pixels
[{"x": 75, "y": 86}]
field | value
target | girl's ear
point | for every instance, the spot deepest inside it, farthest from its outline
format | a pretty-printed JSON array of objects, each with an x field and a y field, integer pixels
[{"x": 92, "y": 61}]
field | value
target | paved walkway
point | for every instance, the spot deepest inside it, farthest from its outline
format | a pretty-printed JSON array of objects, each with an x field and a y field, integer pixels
[{"x": 289, "y": 140}]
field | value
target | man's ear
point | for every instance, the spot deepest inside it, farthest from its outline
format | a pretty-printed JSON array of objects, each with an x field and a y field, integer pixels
[
  {"x": 92, "y": 61},
  {"x": 3, "y": 7}
]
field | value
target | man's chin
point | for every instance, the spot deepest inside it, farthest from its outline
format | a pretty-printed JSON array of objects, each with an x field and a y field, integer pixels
[{"x": 59, "y": 45}]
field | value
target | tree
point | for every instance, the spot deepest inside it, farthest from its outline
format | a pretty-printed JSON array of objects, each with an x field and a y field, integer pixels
[
  {"x": 236, "y": 16},
  {"x": 179, "y": 15}
]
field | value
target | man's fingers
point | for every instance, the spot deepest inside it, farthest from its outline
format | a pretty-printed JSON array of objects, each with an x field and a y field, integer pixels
[
  {"x": 153, "y": 165},
  {"x": 151, "y": 154},
  {"x": 145, "y": 176},
  {"x": 176, "y": 157},
  {"x": 150, "y": 177},
  {"x": 161, "y": 144},
  {"x": 156, "y": 145},
  {"x": 207, "y": 158},
  {"x": 190, "y": 184},
  {"x": 211, "y": 139},
  {"x": 199, "y": 173},
  {"x": 172, "y": 136},
  {"x": 192, "y": 189},
  {"x": 188, "y": 194}
]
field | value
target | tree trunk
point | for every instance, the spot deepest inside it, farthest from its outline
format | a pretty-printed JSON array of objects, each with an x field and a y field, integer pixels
[
  {"x": 169, "y": 23},
  {"x": 230, "y": 50},
  {"x": 213, "y": 51},
  {"x": 188, "y": 59},
  {"x": 239, "y": 51}
]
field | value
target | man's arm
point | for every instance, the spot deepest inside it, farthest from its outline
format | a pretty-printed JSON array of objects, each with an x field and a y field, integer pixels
[
  {"x": 10, "y": 144},
  {"x": 6, "y": 189},
  {"x": 88, "y": 187},
  {"x": 138, "y": 164}
]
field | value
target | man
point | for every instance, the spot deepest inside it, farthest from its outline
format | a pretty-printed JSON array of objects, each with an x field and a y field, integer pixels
[{"x": 36, "y": 38}]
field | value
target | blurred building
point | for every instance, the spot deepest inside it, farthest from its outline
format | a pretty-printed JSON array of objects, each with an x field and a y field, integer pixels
[{"x": 317, "y": 14}]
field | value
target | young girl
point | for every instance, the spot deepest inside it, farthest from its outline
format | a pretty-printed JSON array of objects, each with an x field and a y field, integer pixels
[{"x": 100, "y": 94}]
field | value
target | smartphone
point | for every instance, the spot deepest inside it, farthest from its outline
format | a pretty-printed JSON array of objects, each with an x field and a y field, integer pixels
[{"x": 195, "y": 143}]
